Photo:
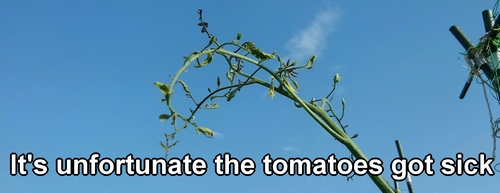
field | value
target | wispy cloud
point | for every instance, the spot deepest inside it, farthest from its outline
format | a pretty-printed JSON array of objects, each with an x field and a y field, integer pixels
[
  {"x": 336, "y": 68},
  {"x": 219, "y": 135},
  {"x": 312, "y": 40},
  {"x": 290, "y": 148}
]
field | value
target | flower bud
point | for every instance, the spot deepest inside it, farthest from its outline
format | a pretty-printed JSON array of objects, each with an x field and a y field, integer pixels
[{"x": 337, "y": 78}]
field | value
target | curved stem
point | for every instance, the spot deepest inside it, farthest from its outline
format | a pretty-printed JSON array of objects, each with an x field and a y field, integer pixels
[{"x": 317, "y": 113}]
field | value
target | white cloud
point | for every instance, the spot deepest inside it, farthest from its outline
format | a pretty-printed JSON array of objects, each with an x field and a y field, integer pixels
[
  {"x": 312, "y": 40},
  {"x": 219, "y": 135},
  {"x": 290, "y": 148},
  {"x": 336, "y": 68}
]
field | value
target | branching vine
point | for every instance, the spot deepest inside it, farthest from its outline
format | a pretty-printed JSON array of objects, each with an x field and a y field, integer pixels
[{"x": 320, "y": 110}]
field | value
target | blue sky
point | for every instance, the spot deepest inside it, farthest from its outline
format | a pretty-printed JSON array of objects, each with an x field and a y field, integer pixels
[{"x": 77, "y": 77}]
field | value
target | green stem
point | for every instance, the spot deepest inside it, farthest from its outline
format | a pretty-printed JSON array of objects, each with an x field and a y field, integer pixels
[{"x": 317, "y": 113}]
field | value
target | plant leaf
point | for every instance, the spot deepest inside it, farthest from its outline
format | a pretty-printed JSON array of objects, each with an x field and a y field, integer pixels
[
  {"x": 211, "y": 41},
  {"x": 184, "y": 86},
  {"x": 250, "y": 47},
  {"x": 310, "y": 62},
  {"x": 295, "y": 84},
  {"x": 173, "y": 144},
  {"x": 205, "y": 131},
  {"x": 206, "y": 61},
  {"x": 164, "y": 117},
  {"x": 218, "y": 81},
  {"x": 173, "y": 119},
  {"x": 271, "y": 90},
  {"x": 261, "y": 55},
  {"x": 164, "y": 147},
  {"x": 211, "y": 106},
  {"x": 290, "y": 88},
  {"x": 228, "y": 76},
  {"x": 165, "y": 89},
  {"x": 231, "y": 95}
]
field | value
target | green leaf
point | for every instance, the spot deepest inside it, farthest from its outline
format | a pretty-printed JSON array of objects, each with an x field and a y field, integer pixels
[
  {"x": 173, "y": 119},
  {"x": 206, "y": 61},
  {"x": 271, "y": 90},
  {"x": 289, "y": 87},
  {"x": 206, "y": 131},
  {"x": 310, "y": 62},
  {"x": 210, "y": 106},
  {"x": 261, "y": 55},
  {"x": 250, "y": 47},
  {"x": 279, "y": 59},
  {"x": 238, "y": 37},
  {"x": 218, "y": 81},
  {"x": 228, "y": 76},
  {"x": 164, "y": 117},
  {"x": 204, "y": 24},
  {"x": 231, "y": 95},
  {"x": 211, "y": 41},
  {"x": 173, "y": 144},
  {"x": 165, "y": 89},
  {"x": 295, "y": 84},
  {"x": 164, "y": 147},
  {"x": 184, "y": 86}
]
